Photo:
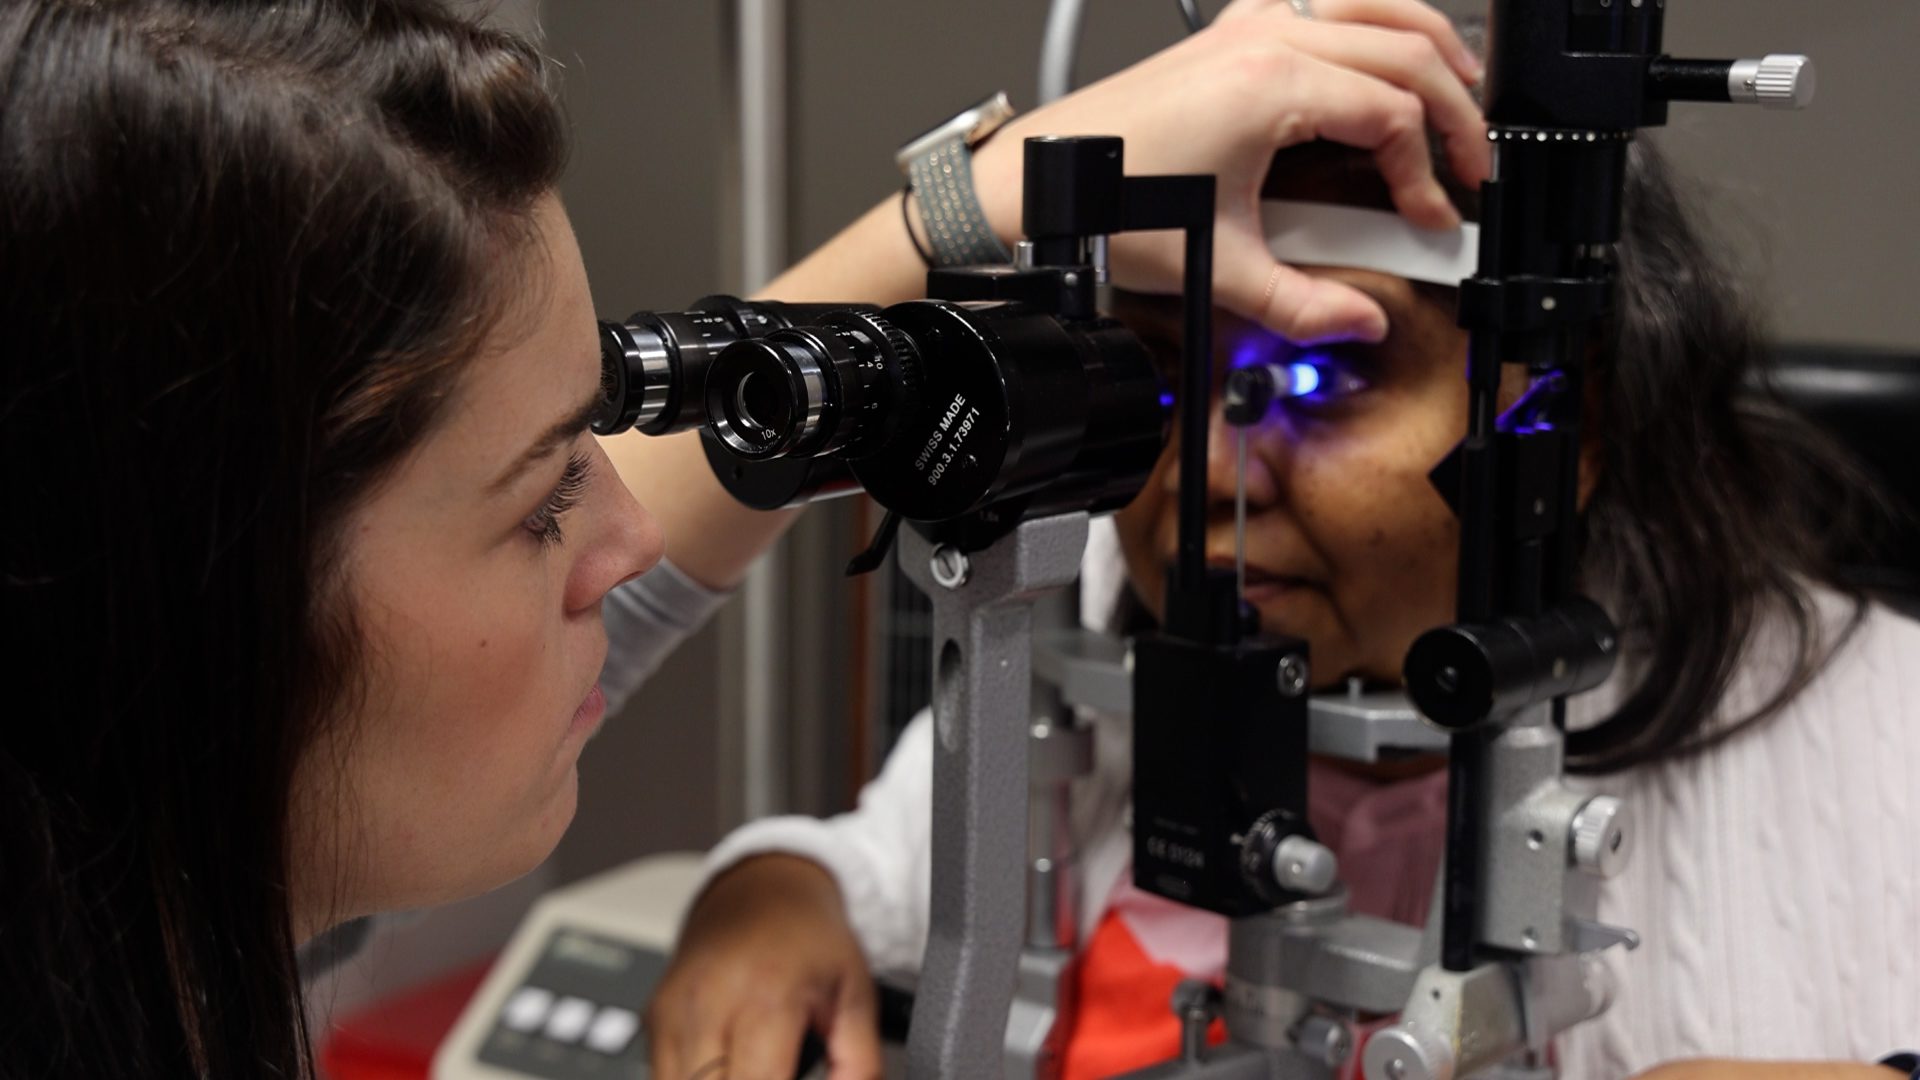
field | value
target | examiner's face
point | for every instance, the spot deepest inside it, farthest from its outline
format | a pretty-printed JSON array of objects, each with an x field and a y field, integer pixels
[
  {"x": 475, "y": 574},
  {"x": 1348, "y": 545}
]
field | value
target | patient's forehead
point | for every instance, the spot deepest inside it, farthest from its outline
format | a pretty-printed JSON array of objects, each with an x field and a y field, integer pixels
[{"x": 1312, "y": 172}]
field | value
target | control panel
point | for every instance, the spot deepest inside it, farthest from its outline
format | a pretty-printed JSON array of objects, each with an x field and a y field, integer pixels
[{"x": 564, "y": 1001}]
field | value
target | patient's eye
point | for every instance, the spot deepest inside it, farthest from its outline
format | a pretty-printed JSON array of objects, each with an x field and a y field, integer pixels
[
  {"x": 1320, "y": 378},
  {"x": 1308, "y": 379}
]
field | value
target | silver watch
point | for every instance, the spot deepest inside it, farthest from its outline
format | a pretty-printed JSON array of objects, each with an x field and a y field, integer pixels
[{"x": 939, "y": 170}]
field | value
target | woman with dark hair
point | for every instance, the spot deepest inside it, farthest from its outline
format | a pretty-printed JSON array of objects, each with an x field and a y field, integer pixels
[
  {"x": 304, "y": 576},
  {"x": 304, "y": 573},
  {"x": 1762, "y": 726}
]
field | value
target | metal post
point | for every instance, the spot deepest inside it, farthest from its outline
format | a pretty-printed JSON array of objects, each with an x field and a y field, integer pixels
[
  {"x": 982, "y": 642},
  {"x": 762, "y": 50}
]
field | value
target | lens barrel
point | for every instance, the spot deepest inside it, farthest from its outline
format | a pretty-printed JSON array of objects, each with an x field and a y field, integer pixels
[
  {"x": 841, "y": 386},
  {"x": 1018, "y": 405},
  {"x": 944, "y": 408},
  {"x": 1465, "y": 675},
  {"x": 654, "y": 365}
]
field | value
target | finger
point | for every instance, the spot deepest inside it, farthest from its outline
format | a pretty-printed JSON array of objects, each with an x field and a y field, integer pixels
[
  {"x": 663, "y": 1039},
  {"x": 1411, "y": 61},
  {"x": 853, "y": 1033},
  {"x": 1409, "y": 15},
  {"x": 1240, "y": 9},
  {"x": 1298, "y": 306},
  {"x": 765, "y": 1044},
  {"x": 1359, "y": 110},
  {"x": 684, "y": 1041}
]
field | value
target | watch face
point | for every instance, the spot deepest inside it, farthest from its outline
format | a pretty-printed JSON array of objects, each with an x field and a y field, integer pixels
[{"x": 970, "y": 125}]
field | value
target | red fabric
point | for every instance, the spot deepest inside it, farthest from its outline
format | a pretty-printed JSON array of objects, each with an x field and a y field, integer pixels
[
  {"x": 1387, "y": 834},
  {"x": 395, "y": 1039},
  {"x": 1123, "y": 1018}
]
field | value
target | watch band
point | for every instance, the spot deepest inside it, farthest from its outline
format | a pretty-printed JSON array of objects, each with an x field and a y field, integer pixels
[
  {"x": 957, "y": 228},
  {"x": 939, "y": 168}
]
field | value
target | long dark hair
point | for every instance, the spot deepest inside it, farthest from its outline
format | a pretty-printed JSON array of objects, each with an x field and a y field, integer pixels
[
  {"x": 1717, "y": 510},
  {"x": 246, "y": 251}
]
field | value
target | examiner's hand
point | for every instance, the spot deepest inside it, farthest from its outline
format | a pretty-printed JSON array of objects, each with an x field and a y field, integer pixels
[
  {"x": 1371, "y": 74},
  {"x": 765, "y": 954}
]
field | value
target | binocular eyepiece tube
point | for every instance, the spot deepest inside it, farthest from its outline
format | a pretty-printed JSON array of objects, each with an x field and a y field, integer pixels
[
  {"x": 653, "y": 365},
  {"x": 937, "y": 409}
]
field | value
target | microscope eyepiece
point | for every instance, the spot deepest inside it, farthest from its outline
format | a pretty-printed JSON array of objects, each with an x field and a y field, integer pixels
[
  {"x": 769, "y": 399},
  {"x": 636, "y": 377},
  {"x": 841, "y": 386},
  {"x": 654, "y": 364}
]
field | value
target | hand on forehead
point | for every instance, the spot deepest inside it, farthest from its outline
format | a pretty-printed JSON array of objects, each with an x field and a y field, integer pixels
[{"x": 1324, "y": 205}]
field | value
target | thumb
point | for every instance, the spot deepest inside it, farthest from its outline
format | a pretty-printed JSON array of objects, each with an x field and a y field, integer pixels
[{"x": 1251, "y": 283}]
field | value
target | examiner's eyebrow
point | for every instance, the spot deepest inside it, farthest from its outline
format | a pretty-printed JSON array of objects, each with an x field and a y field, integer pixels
[{"x": 550, "y": 440}]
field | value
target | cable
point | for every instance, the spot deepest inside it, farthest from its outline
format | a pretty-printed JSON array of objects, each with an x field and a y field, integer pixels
[
  {"x": 1057, "y": 48},
  {"x": 1190, "y": 11}
]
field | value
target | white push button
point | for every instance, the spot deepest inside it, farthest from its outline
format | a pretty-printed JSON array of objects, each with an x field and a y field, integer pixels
[
  {"x": 526, "y": 1009},
  {"x": 569, "y": 1019},
  {"x": 612, "y": 1030}
]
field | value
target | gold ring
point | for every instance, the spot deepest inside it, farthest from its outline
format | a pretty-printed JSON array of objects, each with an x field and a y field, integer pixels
[{"x": 1273, "y": 282}]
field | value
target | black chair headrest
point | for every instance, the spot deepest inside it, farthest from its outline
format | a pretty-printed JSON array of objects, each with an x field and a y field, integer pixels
[{"x": 1869, "y": 401}]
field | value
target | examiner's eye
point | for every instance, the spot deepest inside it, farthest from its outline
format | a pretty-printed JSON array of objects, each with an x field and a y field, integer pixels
[{"x": 544, "y": 523}]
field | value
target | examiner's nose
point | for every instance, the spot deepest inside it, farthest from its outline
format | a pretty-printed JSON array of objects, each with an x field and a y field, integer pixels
[{"x": 627, "y": 541}]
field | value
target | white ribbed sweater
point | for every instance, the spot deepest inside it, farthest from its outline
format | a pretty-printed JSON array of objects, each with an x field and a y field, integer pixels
[{"x": 1775, "y": 880}]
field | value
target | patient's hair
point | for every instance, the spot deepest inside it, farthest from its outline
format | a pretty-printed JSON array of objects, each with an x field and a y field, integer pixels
[
  {"x": 245, "y": 250},
  {"x": 1718, "y": 510}
]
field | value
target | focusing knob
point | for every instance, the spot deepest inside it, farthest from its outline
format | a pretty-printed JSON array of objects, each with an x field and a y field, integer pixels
[
  {"x": 1278, "y": 857},
  {"x": 905, "y": 369},
  {"x": 1600, "y": 836},
  {"x": 1403, "y": 1052},
  {"x": 1304, "y": 866},
  {"x": 1776, "y": 81},
  {"x": 879, "y": 384}
]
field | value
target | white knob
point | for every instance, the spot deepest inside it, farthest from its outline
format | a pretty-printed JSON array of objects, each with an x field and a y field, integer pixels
[
  {"x": 1303, "y": 866},
  {"x": 1600, "y": 840},
  {"x": 1776, "y": 81},
  {"x": 1402, "y": 1053}
]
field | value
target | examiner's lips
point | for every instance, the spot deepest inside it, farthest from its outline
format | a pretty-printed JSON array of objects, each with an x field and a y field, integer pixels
[{"x": 590, "y": 713}]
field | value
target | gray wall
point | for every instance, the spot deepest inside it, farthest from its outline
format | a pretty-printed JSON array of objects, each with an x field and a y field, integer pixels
[{"x": 1820, "y": 206}]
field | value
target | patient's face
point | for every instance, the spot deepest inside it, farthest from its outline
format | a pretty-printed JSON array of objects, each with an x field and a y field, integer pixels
[{"x": 1348, "y": 544}]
